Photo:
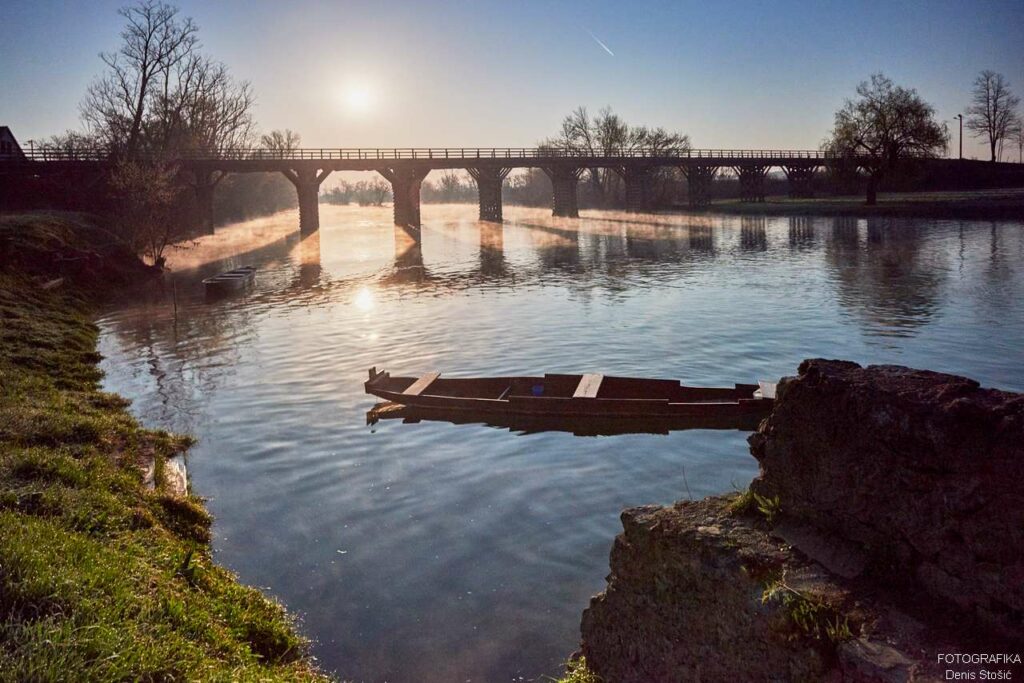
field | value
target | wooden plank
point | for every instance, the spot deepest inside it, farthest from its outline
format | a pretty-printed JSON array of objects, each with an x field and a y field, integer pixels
[
  {"x": 417, "y": 387},
  {"x": 588, "y": 386},
  {"x": 767, "y": 389}
]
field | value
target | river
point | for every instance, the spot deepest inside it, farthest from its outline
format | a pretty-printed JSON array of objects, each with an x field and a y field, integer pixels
[{"x": 441, "y": 552}]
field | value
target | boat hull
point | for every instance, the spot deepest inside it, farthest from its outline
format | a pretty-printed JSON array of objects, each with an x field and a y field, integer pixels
[
  {"x": 230, "y": 281},
  {"x": 553, "y": 395}
]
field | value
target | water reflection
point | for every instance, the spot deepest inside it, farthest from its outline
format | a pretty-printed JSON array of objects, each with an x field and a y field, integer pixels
[
  {"x": 801, "y": 232},
  {"x": 492, "y": 251},
  {"x": 575, "y": 425},
  {"x": 753, "y": 235},
  {"x": 470, "y": 551},
  {"x": 894, "y": 281}
]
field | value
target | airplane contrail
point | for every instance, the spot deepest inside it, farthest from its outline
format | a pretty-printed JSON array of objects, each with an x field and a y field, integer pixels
[{"x": 598, "y": 41}]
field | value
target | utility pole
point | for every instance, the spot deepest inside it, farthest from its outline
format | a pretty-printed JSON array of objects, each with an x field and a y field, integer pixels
[{"x": 961, "y": 117}]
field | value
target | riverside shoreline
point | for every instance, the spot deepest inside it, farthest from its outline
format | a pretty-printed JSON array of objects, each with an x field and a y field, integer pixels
[
  {"x": 102, "y": 578},
  {"x": 1004, "y": 204}
]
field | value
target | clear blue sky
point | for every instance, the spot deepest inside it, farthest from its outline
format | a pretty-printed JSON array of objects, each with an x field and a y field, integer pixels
[{"x": 734, "y": 74}]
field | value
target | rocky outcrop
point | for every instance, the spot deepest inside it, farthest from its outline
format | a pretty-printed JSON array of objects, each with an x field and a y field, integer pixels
[
  {"x": 921, "y": 470},
  {"x": 884, "y": 530}
]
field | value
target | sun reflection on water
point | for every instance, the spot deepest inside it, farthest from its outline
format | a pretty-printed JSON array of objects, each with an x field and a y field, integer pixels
[{"x": 364, "y": 299}]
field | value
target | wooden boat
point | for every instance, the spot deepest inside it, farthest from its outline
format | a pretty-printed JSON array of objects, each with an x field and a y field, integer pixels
[
  {"x": 590, "y": 395},
  {"x": 231, "y": 280}
]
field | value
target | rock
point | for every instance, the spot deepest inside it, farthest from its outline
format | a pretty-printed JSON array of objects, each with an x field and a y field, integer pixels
[
  {"x": 919, "y": 469},
  {"x": 683, "y": 604},
  {"x": 873, "y": 662},
  {"x": 176, "y": 476},
  {"x": 698, "y": 593},
  {"x": 898, "y": 536}
]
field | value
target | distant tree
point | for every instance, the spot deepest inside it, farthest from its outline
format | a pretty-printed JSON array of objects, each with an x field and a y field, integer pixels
[
  {"x": 364, "y": 192},
  {"x": 884, "y": 124},
  {"x": 993, "y": 110},
  {"x": 154, "y": 41},
  {"x": 530, "y": 187},
  {"x": 607, "y": 133},
  {"x": 1017, "y": 135},
  {"x": 450, "y": 188},
  {"x": 379, "y": 191},
  {"x": 339, "y": 194},
  {"x": 285, "y": 140},
  {"x": 69, "y": 143}
]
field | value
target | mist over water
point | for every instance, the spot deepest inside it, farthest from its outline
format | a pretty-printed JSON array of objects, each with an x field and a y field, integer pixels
[{"x": 440, "y": 552}]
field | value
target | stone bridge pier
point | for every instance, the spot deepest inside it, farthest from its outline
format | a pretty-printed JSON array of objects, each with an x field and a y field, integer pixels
[
  {"x": 639, "y": 182},
  {"x": 488, "y": 182},
  {"x": 306, "y": 180},
  {"x": 800, "y": 177},
  {"x": 699, "y": 178},
  {"x": 405, "y": 192},
  {"x": 564, "y": 186},
  {"x": 751, "y": 182}
]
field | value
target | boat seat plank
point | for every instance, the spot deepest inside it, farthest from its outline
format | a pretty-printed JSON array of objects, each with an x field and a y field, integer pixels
[
  {"x": 589, "y": 385},
  {"x": 766, "y": 390},
  {"x": 417, "y": 387}
]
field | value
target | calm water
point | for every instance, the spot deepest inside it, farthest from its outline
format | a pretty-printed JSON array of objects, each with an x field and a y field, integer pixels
[{"x": 437, "y": 552}]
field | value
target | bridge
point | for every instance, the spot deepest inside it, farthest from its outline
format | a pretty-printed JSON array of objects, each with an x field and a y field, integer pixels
[{"x": 406, "y": 168}]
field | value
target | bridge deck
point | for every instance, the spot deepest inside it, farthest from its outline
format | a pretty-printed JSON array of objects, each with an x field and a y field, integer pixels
[{"x": 360, "y": 159}]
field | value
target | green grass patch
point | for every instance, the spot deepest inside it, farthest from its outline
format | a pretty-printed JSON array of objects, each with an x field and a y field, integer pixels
[
  {"x": 807, "y": 615},
  {"x": 100, "y": 578},
  {"x": 576, "y": 671},
  {"x": 749, "y": 503}
]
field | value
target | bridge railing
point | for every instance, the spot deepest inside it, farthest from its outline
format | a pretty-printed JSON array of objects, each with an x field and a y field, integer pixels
[{"x": 427, "y": 153}]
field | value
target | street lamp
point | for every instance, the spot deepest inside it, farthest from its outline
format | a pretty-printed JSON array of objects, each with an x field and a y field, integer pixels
[{"x": 961, "y": 117}]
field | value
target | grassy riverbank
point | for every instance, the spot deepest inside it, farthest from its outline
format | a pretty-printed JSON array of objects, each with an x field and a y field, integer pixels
[
  {"x": 1005, "y": 204},
  {"x": 101, "y": 578}
]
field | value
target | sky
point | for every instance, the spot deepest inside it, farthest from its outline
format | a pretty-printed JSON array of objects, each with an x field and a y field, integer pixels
[{"x": 500, "y": 74}]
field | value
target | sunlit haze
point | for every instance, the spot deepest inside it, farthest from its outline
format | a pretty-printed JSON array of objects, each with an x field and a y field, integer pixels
[{"x": 742, "y": 75}]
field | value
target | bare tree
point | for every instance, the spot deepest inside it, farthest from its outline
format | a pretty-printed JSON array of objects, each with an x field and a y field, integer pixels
[
  {"x": 993, "y": 110},
  {"x": 281, "y": 140},
  {"x": 608, "y": 134},
  {"x": 202, "y": 108},
  {"x": 884, "y": 124},
  {"x": 154, "y": 41},
  {"x": 161, "y": 100},
  {"x": 69, "y": 144},
  {"x": 1017, "y": 135}
]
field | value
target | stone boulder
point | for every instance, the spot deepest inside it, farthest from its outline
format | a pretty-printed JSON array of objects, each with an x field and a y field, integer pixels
[
  {"x": 701, "y": 591},
  {"x": 924, "y": 472}
]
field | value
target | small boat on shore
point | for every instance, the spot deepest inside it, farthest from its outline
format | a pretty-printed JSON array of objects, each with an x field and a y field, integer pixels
[
  {"x": 586, "y": 395},
  {"x": 231, "y": 280}
]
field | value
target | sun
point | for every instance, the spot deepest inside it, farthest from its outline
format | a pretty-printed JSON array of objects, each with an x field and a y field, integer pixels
[{"x": 359, "y": 98}]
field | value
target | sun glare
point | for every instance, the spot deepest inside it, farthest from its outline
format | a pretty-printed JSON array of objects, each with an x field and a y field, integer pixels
[
  {"x": 358, "y": 98},
  {"x": 364, "y": 299}
]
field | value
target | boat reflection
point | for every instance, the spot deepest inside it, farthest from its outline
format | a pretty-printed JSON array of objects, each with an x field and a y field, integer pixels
[{"x": 578, "y": 425}]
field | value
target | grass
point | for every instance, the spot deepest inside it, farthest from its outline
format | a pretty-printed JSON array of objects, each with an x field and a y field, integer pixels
[
  {"x": 807, "y": 615},
  {"x": 748, "y": 502},
  {"x": 576, "y": 671},
  {"x": 100, "y": 578}
]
